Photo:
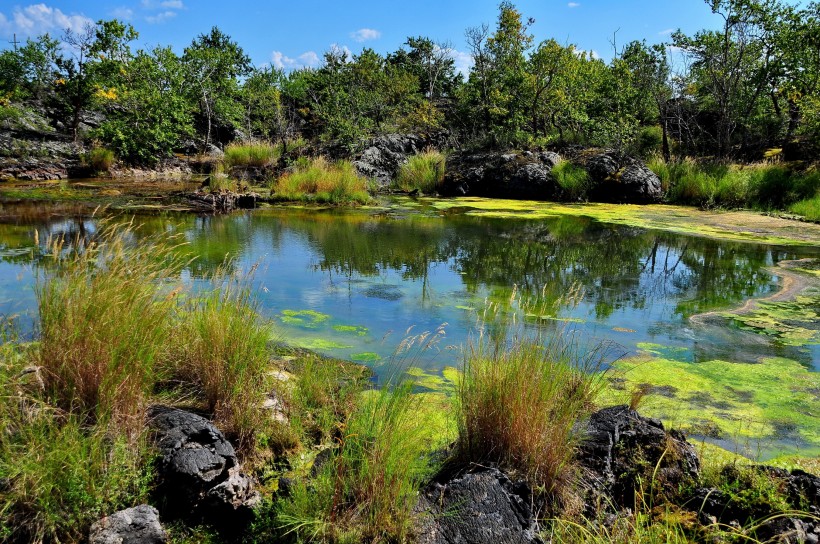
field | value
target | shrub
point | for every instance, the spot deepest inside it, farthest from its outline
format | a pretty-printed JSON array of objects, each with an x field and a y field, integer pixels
[
  {"x": 221, "y": 348},
  {"x": 251, "y": 154},
  {"x": 320, "y": 181},
  {"x": 99, "y": 159},
  {"x": 649, "y": 140},
  {"x": 423, "y": 172},
  {"x": 518, "y": 404},
  {"x": 573, "y": 179}
]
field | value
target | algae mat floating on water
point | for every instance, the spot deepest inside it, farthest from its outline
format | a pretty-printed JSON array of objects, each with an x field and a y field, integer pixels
[
  {"x": 737, "y": 225},
  {"x": 755, "y": 404}
]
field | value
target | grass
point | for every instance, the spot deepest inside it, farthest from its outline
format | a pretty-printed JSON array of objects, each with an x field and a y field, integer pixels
[
  {"x": 221, "y": 348},
  {"x": 251, "y": 154},
  {"x": 321, "y": 181},
  {"x": 366, "y": 490},
  {"x": 762, "y": 186},
  {"x": 808, "y": 208},
  {"x": 423, "y": 172},
  {"x": 99, "y": 159},
  {"x": 573, "y": 180},
  {"x": 518, "y": 403},
  {"x": 102, "y": 326}
]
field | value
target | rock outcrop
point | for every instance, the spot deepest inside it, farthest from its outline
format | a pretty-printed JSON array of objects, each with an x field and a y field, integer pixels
[
  {"x": 137, "y": 525},
  {"x": 382, "y": 156},
  {"x": 621, "y": 448},
  {"x": 199, "y": 473},
  {"x": 615, "y": 177},
  {"x": 523, "y": 175},
  {"x": 478, "y": 507},
  {"x": 222, "y": 202}
]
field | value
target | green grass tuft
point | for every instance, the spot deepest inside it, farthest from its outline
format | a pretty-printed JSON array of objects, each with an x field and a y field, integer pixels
[
  {"x": 573, "y": 179},
  {"x": 423, "y": 172},
  {"x": 808, "y": 208},
  {"x": 320, "y": 181},
  {"x": 99, "y": 159},
  {"x": 255, "y": 154}
]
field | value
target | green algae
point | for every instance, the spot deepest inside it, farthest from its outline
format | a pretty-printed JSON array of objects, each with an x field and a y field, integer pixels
[
  {"x": 443, "y": 381},
  {"x": 320, "y": 344},
  {"x": 774, "y": 399},
  {"x": 309, "y": 319},
  {"x": 737, "y": 226},
  {"x": 358, "y": 330},
  {"x": 791, "y": 323},
  {"x": 365, "y": 357}
]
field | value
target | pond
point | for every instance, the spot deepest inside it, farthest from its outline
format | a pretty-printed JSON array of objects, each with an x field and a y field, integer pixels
[{"x": 355, "y": 283}]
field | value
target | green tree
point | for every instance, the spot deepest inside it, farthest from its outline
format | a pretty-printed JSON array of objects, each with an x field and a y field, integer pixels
[
  {"x": 148, "y": 114},
  {"x": 215, "y": 64}
]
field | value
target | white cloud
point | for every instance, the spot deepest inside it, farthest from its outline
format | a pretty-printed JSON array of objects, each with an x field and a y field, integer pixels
[
  {"x": 348, "y": 54},
  {"x": 365, "y": 34},
  {"x": 666, "y": 32},
  {"x": 463, "y": 61},
  {"x": 172, "y": 4},
  {"x": 122, "y": 13},
  {"x": 161, "y": 17},
  {"x": 38, "y": 19},
  {"x": 573, "y": 5},
  {"x": 283, "y": 62}
]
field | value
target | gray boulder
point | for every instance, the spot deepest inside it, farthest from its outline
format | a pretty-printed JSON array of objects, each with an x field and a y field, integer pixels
[
  {"x": 523, "y": 175},
  {"x": 477, "y": 508},
  {"x": 384, "y": 155},
  {"x": 137, "y": 525},
  {"x": 198, "y": 469},
  {"x": 617, "y": 178}
]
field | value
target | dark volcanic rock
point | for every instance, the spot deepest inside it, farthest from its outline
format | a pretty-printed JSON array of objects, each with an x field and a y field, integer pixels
[
  {"x": 621, "y": 448},
  {"x": 477, "y": 508},
  {"x": 384, "y": 155},
  {"x": 617, "y": 178},
  {"x": 501, "y": 175},
  {"x": 198, "y": 469},
  {"x": 222, "y": 202},
  {"x": 137, "y": 525}
]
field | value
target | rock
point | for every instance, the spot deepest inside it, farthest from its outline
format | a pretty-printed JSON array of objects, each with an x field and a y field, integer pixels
[
  {"x": 198, "y": 469},
  {"x": 479, "y": 507},
  {"x": 788, "y": 530},
  {"x": 550, "y": 158},
  {"x": 384, "y": 155},
  {"x": 618, "y": 178},
  {"x": 137, "y": 525},
  {"x": 501, "y": 175},
  {"x": 223, "y": 201},
  {"x": 621, "y": 449}
]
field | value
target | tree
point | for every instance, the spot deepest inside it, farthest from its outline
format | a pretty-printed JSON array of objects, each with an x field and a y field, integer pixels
[
  {"x": 149, "y": 114},
  {"x": 214, "y": 64},
  {"x": 649, "y": 71}
]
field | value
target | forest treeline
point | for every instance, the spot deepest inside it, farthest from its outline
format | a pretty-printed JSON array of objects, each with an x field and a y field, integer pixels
[{"x": 748, "y": 86}]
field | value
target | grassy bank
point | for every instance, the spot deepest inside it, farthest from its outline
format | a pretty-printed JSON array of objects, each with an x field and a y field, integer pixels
[
  {"x": 423, "y": 172},
  {"x": 758, "y": 186}
]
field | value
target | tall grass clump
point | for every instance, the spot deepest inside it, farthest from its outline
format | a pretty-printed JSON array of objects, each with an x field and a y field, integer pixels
[
  {"x": 221, "y": 349},
  {"x": 321, "y": 181},
  {"x": 573, "y": 179},
  {"x": 103, "y": 326},
  {"x": 518, "y": 403},
  {"x": 423, "y": 172},
  {"x": 366, "y": 490},
  {"x": 247, "y": 154},
  {"x": 99, "y": 159}
]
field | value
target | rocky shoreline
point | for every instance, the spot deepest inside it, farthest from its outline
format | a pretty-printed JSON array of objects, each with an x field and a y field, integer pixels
[{"x": 624, "y": 460}]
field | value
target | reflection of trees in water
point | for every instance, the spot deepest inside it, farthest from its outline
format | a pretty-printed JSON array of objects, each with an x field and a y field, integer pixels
[{"x": 617, "y": 267}]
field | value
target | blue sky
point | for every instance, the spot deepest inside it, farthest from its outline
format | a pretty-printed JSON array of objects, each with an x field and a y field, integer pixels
[{"x": 296, "y": 33}]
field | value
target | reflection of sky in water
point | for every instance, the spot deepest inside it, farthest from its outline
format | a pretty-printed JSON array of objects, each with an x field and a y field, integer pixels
[{"x": 415, "y": 274}]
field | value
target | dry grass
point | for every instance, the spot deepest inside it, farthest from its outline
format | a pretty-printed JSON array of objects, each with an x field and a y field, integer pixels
[
  {"x": 102, "y": 325},
  {"x": 518, "y": 404},
  {"x": 423, "y": 172}
]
